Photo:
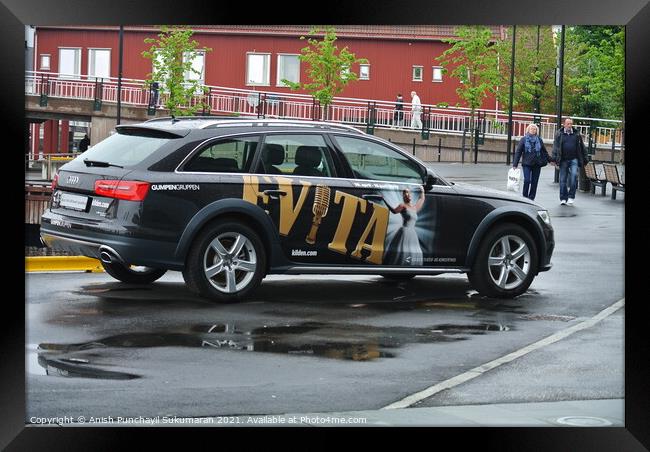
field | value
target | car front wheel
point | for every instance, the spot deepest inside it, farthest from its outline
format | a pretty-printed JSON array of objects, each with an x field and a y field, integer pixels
[
  {"x": 226, "y": 262},
  {"x": 506, "y": 262}
]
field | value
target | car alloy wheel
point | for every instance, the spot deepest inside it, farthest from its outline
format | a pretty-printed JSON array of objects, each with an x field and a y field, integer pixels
[
  {"x": 230, "y": 262},
  {"x": 505, "y": 263},
  {"x": 509, "y": 262},
  {"x": 226, "y": 261}
]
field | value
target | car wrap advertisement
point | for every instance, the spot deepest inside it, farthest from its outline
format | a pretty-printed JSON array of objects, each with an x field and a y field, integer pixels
[{"x": 365, "y": 223}]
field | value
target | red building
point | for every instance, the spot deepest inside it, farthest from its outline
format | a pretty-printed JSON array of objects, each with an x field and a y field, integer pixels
[{"x": 401, "y": 59}]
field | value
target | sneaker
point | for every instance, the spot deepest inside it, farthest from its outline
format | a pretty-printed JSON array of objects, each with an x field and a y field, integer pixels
[
  {"x": 570, "y": 201},
  {"x": 563, "y": 203}
]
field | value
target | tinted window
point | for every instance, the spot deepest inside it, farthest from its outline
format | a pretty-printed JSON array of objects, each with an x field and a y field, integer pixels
[
  {"x": 370, "y": 160},
  {"x": 232, "y": 155},
  {"x": 297, "y": 155},
  {"x": 124, "y": 150}
]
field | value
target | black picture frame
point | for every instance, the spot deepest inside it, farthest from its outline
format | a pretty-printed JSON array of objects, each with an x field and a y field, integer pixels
[{"x": 635, "y": 14}]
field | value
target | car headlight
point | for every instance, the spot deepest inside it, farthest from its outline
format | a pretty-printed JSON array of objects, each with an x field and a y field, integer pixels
[{"x": 543, "y": 214}]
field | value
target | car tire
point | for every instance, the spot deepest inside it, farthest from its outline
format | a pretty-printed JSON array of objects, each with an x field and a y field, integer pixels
[
  {"x": 506, "y": 262},
  {"x": 399, "y": 276},
  {"x": 215, "y": 270},
  {"x": 133, "y": 275}
]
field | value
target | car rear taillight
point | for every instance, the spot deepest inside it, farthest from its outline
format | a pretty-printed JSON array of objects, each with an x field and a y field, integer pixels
[
  {"x": 55, "y": 181},
  {"x": 122, "y": 189}
]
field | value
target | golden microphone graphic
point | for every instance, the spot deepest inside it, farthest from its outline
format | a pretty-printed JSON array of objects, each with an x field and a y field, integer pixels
[{"x": 321, "y": 203}]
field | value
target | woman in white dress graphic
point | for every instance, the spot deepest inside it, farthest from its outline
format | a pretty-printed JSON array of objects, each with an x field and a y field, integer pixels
[{"x": 404, "y": 248}]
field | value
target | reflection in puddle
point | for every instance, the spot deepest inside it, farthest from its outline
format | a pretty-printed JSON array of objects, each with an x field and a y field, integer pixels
[{"x": 328, "y": 340}]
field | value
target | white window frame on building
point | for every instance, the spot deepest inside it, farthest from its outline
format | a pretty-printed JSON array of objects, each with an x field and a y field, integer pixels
[
  {"x": 77, "y": 73},
  {"x": 191, "y": 75},
  {"x": 433, "y": 75},
  {"x": 91, "y": 59},
  {"x": 266, "y": 69},
  {"x": 279, "y": 75},
  {"x": 42, "y": 65},
  {"x": 361, "y": 74},
  {"x": 421, "y": 73}
]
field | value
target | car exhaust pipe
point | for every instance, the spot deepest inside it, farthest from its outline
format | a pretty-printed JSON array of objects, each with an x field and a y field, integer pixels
[
  {"x": 108, "y": 255},
  {"x": 105, "y": 257}
]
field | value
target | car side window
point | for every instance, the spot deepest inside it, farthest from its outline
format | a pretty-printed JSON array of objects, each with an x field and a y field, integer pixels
[
  {"x": 296, "y": 155},
  {"x": 370, "y": 160},
  {"x": 231, "y": 155}
]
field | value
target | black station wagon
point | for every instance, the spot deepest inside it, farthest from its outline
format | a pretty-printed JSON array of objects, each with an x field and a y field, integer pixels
[{"x": 229, "y": 200}]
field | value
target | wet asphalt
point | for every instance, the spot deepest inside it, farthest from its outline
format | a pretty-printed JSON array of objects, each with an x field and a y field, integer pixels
[{"x": 96, "y": 347}]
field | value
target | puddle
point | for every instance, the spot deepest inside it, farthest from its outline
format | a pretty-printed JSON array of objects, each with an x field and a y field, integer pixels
[{"x": 328, "y": 340}]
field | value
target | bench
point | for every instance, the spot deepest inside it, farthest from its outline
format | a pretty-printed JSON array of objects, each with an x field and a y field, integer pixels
[
  {"x": 611, "y": 176},
  {"x": 594, "y": 178}
]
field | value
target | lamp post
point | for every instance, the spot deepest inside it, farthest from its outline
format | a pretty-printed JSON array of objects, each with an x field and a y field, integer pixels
[
  {"x": 560, "y": 79},
  {"x": 119, "y": 75},
  {"x": 510, "y": 99}
]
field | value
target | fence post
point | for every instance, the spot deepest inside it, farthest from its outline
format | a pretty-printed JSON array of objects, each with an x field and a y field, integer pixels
[
  {"x": 45, "y": 90},
  {"x": 370, "y": 123},
  {"x": 99, "y": 86},
  {"x": 462, "y": 146},
  {"x": 413, "y": 146},
  {"x": 613, "y": 143},
  {"x": 439, "y": 146}
]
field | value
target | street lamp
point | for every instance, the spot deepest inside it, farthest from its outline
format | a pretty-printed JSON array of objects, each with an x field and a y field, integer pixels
[
  {"x": 559, "y": 84},
  {"x": 510, "y": 100}
]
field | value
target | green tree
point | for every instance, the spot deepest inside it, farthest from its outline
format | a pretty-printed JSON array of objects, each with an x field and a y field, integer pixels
[
  {"x": 595, "y": 79},
  {"x": 172, "y": 55},
  {"x": 329, "y": 69},
  {"x": 475, "y": 61},
  {"x": 535, "y": 63}
]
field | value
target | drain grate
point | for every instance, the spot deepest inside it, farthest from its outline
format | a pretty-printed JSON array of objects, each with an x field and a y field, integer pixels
[
  {"x": 583, "y": 421},
  {"x": 561, "y": 318}
]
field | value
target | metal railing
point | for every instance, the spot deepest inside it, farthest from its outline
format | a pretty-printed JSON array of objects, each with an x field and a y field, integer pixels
[{"x": 360, "y": 112}]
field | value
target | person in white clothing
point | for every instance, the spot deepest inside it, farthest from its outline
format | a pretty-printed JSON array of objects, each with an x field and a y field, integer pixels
[{"x": 416, "y": 111}]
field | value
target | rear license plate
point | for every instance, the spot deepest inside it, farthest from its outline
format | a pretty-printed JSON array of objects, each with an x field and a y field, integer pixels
[{"x": 74, "y": 202}]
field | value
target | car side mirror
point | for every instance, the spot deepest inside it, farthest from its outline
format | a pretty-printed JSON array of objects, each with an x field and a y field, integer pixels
[{"x": 430, "y": 181}]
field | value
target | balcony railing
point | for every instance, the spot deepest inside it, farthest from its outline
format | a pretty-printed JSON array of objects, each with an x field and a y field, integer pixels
[{"x": 360, "y": 112}]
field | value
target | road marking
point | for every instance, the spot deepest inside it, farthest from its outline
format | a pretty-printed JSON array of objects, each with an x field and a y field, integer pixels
[{"x": 480, "y": 370}]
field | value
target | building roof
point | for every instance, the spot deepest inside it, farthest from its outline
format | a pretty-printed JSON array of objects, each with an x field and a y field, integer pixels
[{"x": 397, "y": 32}]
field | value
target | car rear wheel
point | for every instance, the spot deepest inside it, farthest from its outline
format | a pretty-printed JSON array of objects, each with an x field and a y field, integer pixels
[
  {"x": 133, "y": 274},
  {"x": 226, "y": 262},
  {"x": 506, "y": 262}
]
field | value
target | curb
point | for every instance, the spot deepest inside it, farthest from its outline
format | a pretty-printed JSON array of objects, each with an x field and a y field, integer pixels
[{"x": 62, "y": 263}]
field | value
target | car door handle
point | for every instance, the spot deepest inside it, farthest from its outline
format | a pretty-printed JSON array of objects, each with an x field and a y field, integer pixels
[
  {"x": 275, "y": 194},
  {"x": 373, "y": 197}
]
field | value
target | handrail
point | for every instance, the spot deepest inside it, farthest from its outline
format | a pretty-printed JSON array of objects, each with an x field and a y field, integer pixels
[{"x": 289, "y": 105}]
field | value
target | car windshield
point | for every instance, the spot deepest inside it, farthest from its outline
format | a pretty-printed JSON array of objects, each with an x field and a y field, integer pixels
[{"x": 124, "y": 150}]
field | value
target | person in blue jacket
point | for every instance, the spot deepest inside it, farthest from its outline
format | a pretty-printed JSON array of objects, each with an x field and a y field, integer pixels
[{"x": 533, "y": 155}]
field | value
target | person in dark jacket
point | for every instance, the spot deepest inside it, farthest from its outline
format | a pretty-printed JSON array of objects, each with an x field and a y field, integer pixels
[
  {"x": 398, "y": 114},
  {"x": 533, "y": 155},
  {"x": 570, "y": 153},
  {"x": 84, "y": 143}
]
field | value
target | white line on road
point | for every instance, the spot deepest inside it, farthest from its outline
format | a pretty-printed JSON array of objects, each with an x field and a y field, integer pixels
[{"x": 478, "y": 371}]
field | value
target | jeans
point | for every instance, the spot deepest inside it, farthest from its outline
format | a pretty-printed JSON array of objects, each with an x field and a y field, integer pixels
[
  {"x": 531, "y": 177},
  {"x": 568, "y": 169}
]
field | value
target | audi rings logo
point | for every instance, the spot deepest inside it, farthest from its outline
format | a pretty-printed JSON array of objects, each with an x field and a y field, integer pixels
[{"x": 72, "y": 180}]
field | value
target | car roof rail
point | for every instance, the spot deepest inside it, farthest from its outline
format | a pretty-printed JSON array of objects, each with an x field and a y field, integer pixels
[{"x": 281, "y": 122}]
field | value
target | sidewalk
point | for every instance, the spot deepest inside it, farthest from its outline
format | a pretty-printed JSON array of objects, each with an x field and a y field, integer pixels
[{"x": 580, "y": 413}]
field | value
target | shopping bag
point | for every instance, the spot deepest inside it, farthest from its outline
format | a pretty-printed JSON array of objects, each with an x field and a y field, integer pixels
[{"x": 514, "y": 177}]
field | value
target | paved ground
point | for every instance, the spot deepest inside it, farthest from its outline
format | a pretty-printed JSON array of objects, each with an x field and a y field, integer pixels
[{"x": 314, "y": 344}]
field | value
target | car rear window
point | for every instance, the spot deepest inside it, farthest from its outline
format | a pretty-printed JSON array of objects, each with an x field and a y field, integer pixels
[{"x": 125, "y": 149}]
